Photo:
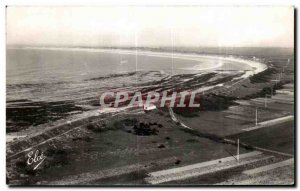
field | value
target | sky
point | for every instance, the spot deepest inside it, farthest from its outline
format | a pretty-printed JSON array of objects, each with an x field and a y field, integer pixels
[{"x": 151, "y": 26}]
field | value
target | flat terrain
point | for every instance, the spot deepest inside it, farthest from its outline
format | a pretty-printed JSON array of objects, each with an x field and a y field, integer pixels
[{"x": 131, "y": 147}]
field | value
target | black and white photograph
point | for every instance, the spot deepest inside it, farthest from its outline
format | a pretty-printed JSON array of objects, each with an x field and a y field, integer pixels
[{"x": 150, "y": 95}]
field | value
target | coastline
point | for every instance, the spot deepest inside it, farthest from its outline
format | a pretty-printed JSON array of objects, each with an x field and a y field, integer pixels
[{"x": 257, "y": 66}]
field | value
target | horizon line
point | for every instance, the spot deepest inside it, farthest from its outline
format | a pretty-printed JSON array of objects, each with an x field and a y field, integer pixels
[{"x": 161, "y": 46}]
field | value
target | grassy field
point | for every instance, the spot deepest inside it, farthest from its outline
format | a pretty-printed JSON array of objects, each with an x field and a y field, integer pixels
[{"x": 122, "y": 149}]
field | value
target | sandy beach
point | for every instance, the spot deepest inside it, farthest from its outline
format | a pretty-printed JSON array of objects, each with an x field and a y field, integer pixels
[{"x": 257, "y": 66}]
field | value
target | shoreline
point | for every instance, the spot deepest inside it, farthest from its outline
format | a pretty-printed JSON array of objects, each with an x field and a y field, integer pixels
[
  {"x": 259, "y": 67},
  {"x": 205, "y": 88}
]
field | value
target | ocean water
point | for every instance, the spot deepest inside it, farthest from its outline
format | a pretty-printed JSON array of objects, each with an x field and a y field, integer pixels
[
  {"x": 43, "y": 85},
  {"x": 41, "y": 74},
  {"x": 47, "y": 66}
]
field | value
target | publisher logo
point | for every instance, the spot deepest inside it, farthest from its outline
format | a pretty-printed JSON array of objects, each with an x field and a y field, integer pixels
[{"x": 35, "y": 158}]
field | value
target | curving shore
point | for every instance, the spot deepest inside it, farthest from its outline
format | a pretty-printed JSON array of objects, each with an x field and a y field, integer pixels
[{"x": 256, "y": 66}]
